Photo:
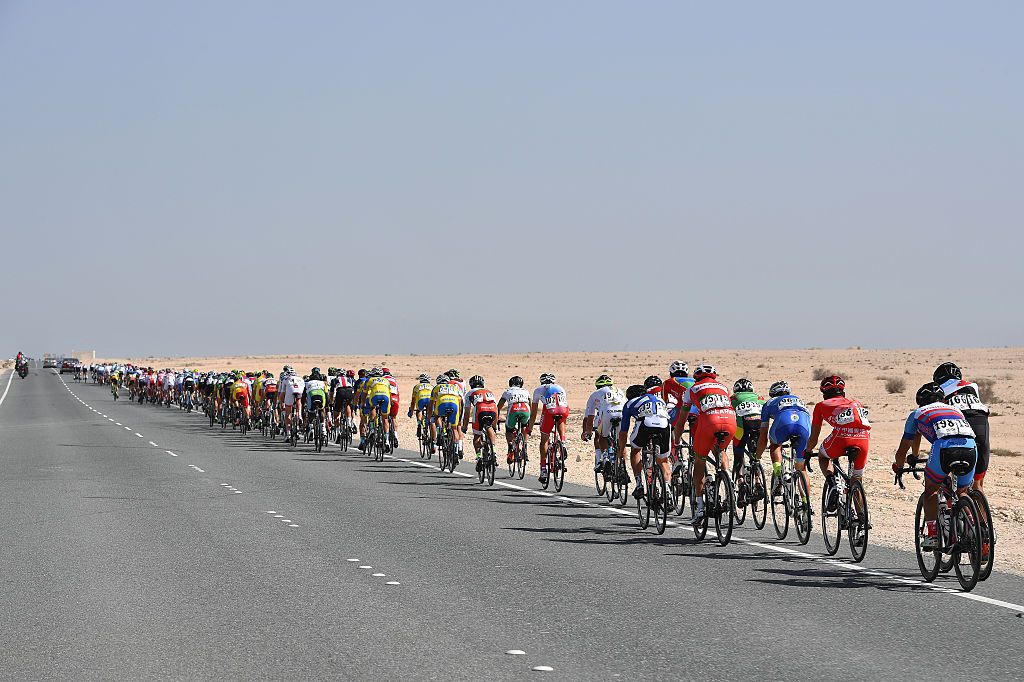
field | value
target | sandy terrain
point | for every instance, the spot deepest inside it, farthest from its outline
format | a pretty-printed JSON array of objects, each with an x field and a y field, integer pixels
[{"x": 866, "y": 372}]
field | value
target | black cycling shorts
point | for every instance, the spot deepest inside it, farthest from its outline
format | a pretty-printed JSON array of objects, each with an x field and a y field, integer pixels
[
  {"x": 342, "y": 397},
  {"x": 979, "y": 423}
]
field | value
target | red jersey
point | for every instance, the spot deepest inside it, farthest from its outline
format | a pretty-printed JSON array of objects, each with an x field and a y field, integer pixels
[
  {"x": 709, "y": 396},
  {"x": 481, "y": 399},
  {"x": 847, "y": 416}
]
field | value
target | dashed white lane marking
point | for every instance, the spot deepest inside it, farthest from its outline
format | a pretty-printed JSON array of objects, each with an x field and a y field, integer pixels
[
  {"x": 366, "y": 567},
  {"x": 109, "y": 419},
  {"x": 286, "y": 520},
  {"x": 278, "y": 516},
  {"x": 515, "y": 652},
  {"x": 380, "y": 575},
  {"x": 353, "y": 561},
  {"x": 271, "y": 512},
  {"x": 127, "y": 428},
  {"x": 153, "y": 444},
  {"x": 118, "y": 423},
  {"x": 193, "y": 466},
  {"x": 542, "y": 668},
  {"x": 170, "y": 453},
  {"x": 293, "y": 525},
  {"x": 392, "y": 582},
  {"x": 139, "y": 434},
  {"x": 771, "y": 548}
]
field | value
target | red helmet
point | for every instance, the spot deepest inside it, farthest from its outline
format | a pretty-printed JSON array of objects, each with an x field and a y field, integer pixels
[
  {"x": 832, "y": 383},
  {"x": 351, "y": 373},
  {"x": 386, "y": 371}
]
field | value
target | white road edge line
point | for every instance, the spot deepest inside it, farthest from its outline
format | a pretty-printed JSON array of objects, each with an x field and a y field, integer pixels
[
  {"x": 771, "y": 548},
  {"x": 9, "y": 380}
]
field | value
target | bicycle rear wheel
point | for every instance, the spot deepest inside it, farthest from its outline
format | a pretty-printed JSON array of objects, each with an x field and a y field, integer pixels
[
  {"x": 780, "y": 509},
  {"x": 857, "y": 532},
  {"x": 490, "y": 462},
  {"x": 600, "y": 482},
  {"x": 683, "y": 489},
  {"x": 757, "y": 495},
  {"x": 559, "y": 471},
  {"x": 623, "y": 478},
  {"x": 831, "y": 520},
  {"x": 700, "y": 528},
  {"x": 725, "y": 504},
  {"x": 967, "y": 552},
  {"x": 661, "y": 499},
  {"x": 643, "y": 504},
  {"x": 988, "y": 537},
  {"x": 801, "y": 509},
  {"x": 739, "y": 514}
]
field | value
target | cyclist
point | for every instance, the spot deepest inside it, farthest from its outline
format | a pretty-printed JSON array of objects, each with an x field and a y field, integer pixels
[
  {"x": 342, "y": 392},
  {"x": 747, "y": 404},
  {"x": 606, "y": 403},
  {"x": 550, "y": 399},
  {"x": 291, "y": 396},
  {"x": 446, "y": 404},
  {"x": 115, "y": 381},
  {"x": 316, "y": 394},
  {"x": 483, "y": 412},
  {"x": 648, "y": 413},
  {"x": 714, "y": 415},
  {"x": 420, "y": 399},
  {"x": 850, "y": 427},
  {"x": 783, "y": 418},
  {"x": 395, "y": 402},
  {"x": 675, "y": 387},
  {"x": 517, "y": 401},
  {"x": 953, "y": 443},
  {"x": 456, "y": 380},
  {"x": 378, "y": 401},
  {"x": 240, "y": 392},
  {"x": 269, "y": 394},
  {"x": 966, "y": 397}
]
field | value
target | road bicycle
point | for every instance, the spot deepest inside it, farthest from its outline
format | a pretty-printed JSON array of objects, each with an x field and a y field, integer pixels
[
  {"x": 113, "y": 390},
  {"x": 316, "y": 422},
  {"x": 517, "y": 467},
  {"x": 657, "y": 498},
  {"x": 962, "y": 531},
  {"x": 790, "y": 498},
  {"x": 751, "y": 491},
  {"x": 844, "y": 506},
  {"x": 423, "y": 435},
  {"x": 488, "y": 462},
  {"x": 718, "y": 495},
  {"x": 554, "y": 457},
  {"x": 682, "y": 476}
]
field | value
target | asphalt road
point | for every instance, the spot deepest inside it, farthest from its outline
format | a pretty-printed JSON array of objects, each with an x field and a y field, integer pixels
[{"x": 138, "y": 542}]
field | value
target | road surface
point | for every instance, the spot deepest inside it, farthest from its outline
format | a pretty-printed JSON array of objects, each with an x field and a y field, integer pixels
[{"x": 138, "y": 542}]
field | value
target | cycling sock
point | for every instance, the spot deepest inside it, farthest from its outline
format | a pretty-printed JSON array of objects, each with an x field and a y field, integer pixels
[
  {"x": 598, "y": 458},
  {"x": 777, "y": 468},
  {"x": 638, "y": 476}
]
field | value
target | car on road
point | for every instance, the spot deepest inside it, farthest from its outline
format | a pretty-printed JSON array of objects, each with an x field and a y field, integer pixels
[
  {"x": 67, "y": 365},
  {"x": 49, "y": 363}
]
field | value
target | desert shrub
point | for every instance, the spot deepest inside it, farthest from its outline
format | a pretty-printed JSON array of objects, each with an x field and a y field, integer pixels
[
  {"x": 1003, "y": 452},
  {"x": 986, "y": 388},
  {"x": 820, "y": 373},
  {"x": 895, "y": 385}
]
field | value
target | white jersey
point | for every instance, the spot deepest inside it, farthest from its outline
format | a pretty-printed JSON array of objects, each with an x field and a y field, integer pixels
[
  {"x": 517, "y": 399},
  {"x": 603, "y": 395},
  {"x": 293, "y": 386}
]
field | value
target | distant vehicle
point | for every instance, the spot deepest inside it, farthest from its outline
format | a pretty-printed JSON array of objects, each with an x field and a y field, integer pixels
[
  {"x": 68, "y": 365},
  {"x": 49, "y": 363}
]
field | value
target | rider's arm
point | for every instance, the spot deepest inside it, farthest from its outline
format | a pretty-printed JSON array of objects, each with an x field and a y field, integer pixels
[
  {"x": 905, "y": 445},
  {"x": 533, "y": 416},
  {"x": 501, "y": 402}
]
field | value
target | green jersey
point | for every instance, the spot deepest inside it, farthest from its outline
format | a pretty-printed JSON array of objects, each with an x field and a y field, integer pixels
[{"x": 746, "y": 404}]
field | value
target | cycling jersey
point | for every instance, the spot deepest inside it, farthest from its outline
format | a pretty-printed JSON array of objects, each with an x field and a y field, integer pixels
[
  {"x": 714, "y": 414},
  {"x": 293, "y": 386},
  {"x": 240, "y": 392},
  {"x": 555, "y": 404},
  {"x": 789, "y": 419},
  {"x": 850, "y": 428},
  {"x": 517, "y": 407},
  {"x": 966, "y": 397},
  {"x": 480, "y": 402},
  {"x": 446, "y": 402},
  {"x": 316, "y": 393},
  {"x": 747, "y": 406},
  {"x": 648, "y": 414},
  {"x": 950, "y": 435}
]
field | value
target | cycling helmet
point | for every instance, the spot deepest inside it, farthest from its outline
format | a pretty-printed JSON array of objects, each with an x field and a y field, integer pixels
[
  {"x": 634, "y": 391},
  {"x": 678, "y": 369},
  {"x": 386, "y": 371},
  {"x": 476, "y": 381},
  {"x": 832, "y": 383},
  {"x": 315, "y": 371},
  {"x": 778, "y": 388},
  {"x": 442, "y": 379},
  {"x": 703, "y": 371},
  {"x": 602, "y": 381},
  {"x": 547, "y": 378},
  {"x": 376, "y": 372},
  {"x": 362, "y": 373},
  {"x": 743, "y": 386},
  {"x": 947, "y": 371},
  {"x": 287, "y": 369},
  {"x": 453, "y": 373},
  {"x": 515, "y": 381},
  {"x": 350, "y": 374},
  {"x": 929, "y": 393},
  {"x": 424, "y": 379},
  {"x": 652, "y": 381}
]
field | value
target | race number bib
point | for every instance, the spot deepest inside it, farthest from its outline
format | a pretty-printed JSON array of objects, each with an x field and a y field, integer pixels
[
  {"x": 966, "y": 401},
  {"x": 714, "y": 401},
  {"x": 556, "y": 400},
  {"x": 748, "y": 409},
  {"x": 946, "y": 428}
]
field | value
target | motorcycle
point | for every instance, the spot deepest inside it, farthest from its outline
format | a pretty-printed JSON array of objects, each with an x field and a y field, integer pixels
[{"x": 22, "y": 371}]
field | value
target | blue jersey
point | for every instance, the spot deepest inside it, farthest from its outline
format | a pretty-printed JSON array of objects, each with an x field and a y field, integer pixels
[
  {"x": 550, "y": 396},
  {"x": 781, "y": 407},
  {"x": 936, "y": 422},
  {"x": 649, "y": 409}
]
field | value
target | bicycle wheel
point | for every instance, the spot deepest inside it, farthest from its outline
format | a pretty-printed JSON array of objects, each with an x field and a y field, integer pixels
[
  {"x": 801, "y": 509},
  {"x": 612, "y": 489},
  {"x": 453, "y": 455},
  {"x": 831, "y": 520},
  {"x": 559, "y": 471},
  {"x": 683, "y": 490},
  {"x": 967, "y": 551},
  {"x": 480, "y": 473},
  {"x": 548, "y": 461},
  {"x": 490, "y": 462},
  {"x": 757, "y": 496},
  {"x": 643, "y": 504},
  {"x": 857, "y": 531},
  {"x": 780, "y": 509},
  {"x": 725, "y": 504},
  {"x": 929, "y": 561},
  {"x": 600, "y": 482},
  {"x": 623, "y": 477},
  {"x": 988, "y": 534},
  {"x": 661, "y": 499},
  {"x": 943, "y": 522},
  {"x": 442, "y": 449},
  {"x": 739, "y": 514}
]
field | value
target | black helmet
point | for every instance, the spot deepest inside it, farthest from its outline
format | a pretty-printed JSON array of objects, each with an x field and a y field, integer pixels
[
  {"x": 515, "y": 381},
  {"x": 743, "y": 386},
  {"x": 778, "y": 388},
  {"x": 476, "y": 381},
  {"x": 947, "y": 371},
  {"x": 652, "y": 381},
  {"x": 929, "y": 393},
  {"x": 634, "y": 391},
  {"x": 315, "y": 371}
]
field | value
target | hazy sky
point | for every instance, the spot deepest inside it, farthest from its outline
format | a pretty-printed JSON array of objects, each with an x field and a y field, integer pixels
[{"x": 257, "y": 177}]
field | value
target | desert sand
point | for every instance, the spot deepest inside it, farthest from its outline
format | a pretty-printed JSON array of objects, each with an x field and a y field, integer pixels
[{"x": 866, "y": 373}]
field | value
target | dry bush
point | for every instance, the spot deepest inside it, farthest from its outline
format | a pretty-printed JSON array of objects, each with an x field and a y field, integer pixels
[
  {"x": 820, "y": 373},
  {"x": 895, "y": 385},
  {"x": 985, "y": 388},
  {"x": 1003, "y": 452}
]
